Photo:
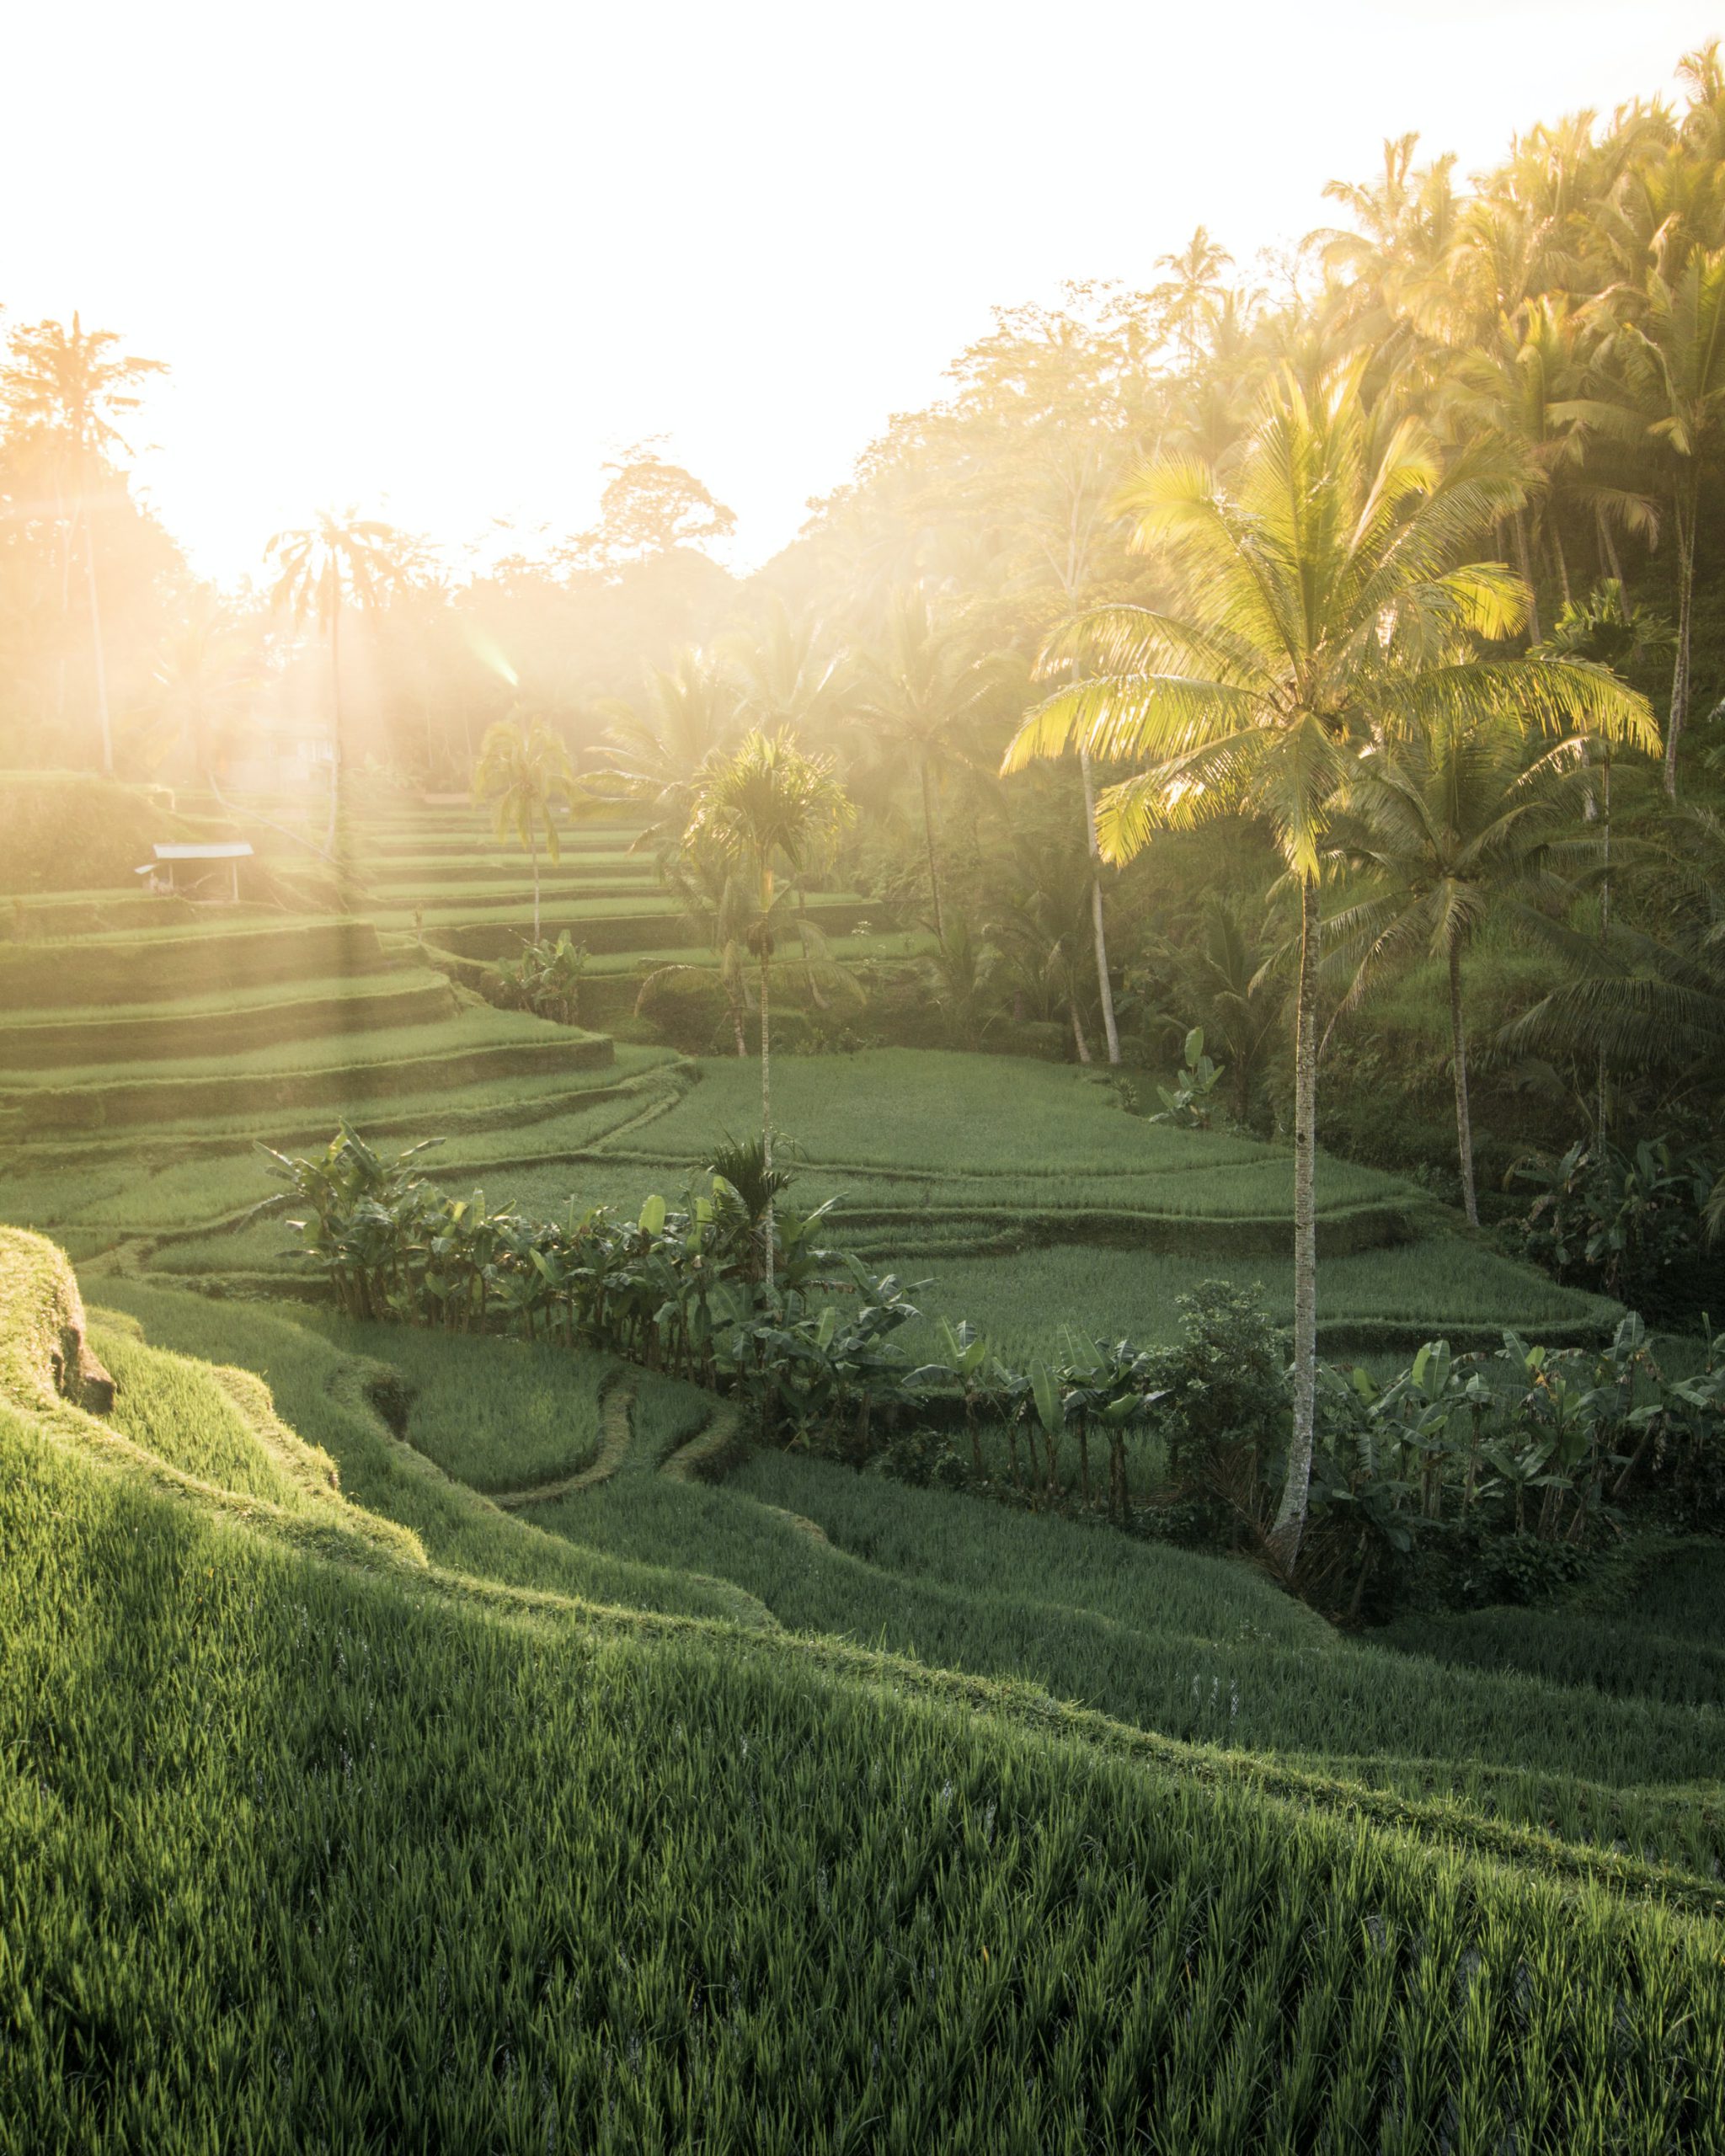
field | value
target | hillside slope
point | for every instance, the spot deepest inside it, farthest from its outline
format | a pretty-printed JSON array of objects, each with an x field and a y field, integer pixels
[{"x": 309, "y": 1839}]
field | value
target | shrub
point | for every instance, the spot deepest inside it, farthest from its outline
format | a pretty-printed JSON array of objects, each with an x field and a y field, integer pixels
[
  {"x": 545, "y": 979},
  {"x": 1224, "y": 1416},
  {"x": 71, "y": 831}
]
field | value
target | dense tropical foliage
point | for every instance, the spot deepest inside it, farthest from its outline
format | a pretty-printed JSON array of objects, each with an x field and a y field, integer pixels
[
  {"x": 735, "y": 1291},
  {"x": 1540, "y": 347}
]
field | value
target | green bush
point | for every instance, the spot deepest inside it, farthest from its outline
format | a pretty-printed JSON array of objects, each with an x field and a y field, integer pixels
[{"x": 71, "y": 831}]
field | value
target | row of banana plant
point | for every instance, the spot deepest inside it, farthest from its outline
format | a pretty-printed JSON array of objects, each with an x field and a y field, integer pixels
[
  {"x": 1556, "y": 1441},
  {"x": 1544, "y": 1444},
  {"x": 1547, "y": 1444},
  {"x": 681, "y": 1289}
]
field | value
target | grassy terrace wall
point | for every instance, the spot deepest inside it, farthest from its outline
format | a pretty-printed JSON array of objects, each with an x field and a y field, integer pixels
[
  {"x": 1029, "y": 1256},
  {"x": 218, "y": 1024},
  {"x": 131, "y": 968},
  {"x": 601, "y": 931},
  {"x": 360, "y": 1069}
]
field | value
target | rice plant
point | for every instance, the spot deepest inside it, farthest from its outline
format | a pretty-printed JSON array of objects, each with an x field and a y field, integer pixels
[{"x": 284, "y": 1848}]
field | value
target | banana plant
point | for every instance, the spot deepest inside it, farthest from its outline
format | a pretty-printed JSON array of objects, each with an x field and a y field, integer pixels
[
  {"x": 967, "y": 1364},
  {"x": 1108, "y": 1386},
  {"x": 1419, "y": 1411},
  {"x": 1188, "y": 1104}
]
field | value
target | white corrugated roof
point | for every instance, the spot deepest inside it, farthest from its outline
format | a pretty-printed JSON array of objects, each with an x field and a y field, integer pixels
[{"x": 229, "y": 850}]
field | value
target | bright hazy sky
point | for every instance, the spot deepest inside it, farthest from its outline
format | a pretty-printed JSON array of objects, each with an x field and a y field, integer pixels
[{"x": 440, "y": 261}]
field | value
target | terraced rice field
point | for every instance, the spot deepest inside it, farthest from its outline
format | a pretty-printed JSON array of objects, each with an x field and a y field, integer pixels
[
  {"x": 138, "y": 1065},
  {"x": 451, "y": 1742},
  {"x": 1488, "y": 1714}
]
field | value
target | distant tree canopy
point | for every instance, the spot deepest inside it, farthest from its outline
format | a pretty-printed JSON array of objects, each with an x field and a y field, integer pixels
[
  {"x": 649, "y": 506},
  {"x": 1566, "y": 308}
]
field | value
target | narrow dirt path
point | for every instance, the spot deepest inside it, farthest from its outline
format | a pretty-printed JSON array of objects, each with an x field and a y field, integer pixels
[{"x": 615, "y": 1435}]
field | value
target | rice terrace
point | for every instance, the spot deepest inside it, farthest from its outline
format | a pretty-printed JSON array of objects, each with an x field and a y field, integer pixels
[{"x": 891, "y": 1323}]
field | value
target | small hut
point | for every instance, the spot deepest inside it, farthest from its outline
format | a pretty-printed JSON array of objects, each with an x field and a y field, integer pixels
[{"x": 209, "y": 873}]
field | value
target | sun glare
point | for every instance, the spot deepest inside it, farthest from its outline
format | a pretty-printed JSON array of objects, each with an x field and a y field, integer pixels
[{"x": 863, "y": 1080}]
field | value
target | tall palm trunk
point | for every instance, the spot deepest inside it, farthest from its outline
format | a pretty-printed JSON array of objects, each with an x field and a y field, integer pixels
[
  {"x": 66, "y": 530},
  {"x": 767, "y": 1102},
  {"x": 1464, "y": 1122},
  {"x": 1562, "y": 566},
  {"x": 1608, "y": 548},
  {"x": 1104, "y": 989},
  {"x": 1604, "y": 1083},
  {"x": 1290, "y": 1528},
  {"x": 97, "y": 649},
  {"x": 425, "y": 716},
  {"x": 940, "y": 933},
  {"x": 1523, "y": 561},
  {"x": 1686, "y": 503},
  {"x": 533, "y": 850},
  {"x": 335, "y": 756},
  {"x": 820, "y": 1001}
]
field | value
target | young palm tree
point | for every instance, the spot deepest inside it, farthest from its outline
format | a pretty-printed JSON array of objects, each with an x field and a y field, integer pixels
[
  {"x": 73, "y": 384},
  {"x": 338, "y": 564},
  {"x": 1327, "y": 601},
  {"x": 524, "y": 771},
  {"x": 923, "y": 690},
  {"x": 719, "y": 907},
  {"x": 765, "y": 805},
  {"x": 1235, "y": 987},
  {"x": 1041, "y": 923},
  {"x": 1450, "y": 825}
]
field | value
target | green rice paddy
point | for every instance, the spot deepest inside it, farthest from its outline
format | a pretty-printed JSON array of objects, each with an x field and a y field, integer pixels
[
  {"x": 403, "y": 1744},
  {"x": 851, "y": 1819}
]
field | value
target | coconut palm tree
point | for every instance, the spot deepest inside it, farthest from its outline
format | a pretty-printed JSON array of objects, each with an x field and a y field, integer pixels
[
  {"x": 525, "y": 773},
  {"x": 197, "y": 706},
  {"x": 73, "y": 384},
  {"x": 1326, "y": 601},
  {"x": 657, "y": 746},
  {"x": 338, "y": 564},
  {"x": 1039, "y": 921},
  {"x": 1189, "y": 294},
  {"x": 765, "y": 805},
  {"x": 1665, "y": 390},
  {"x": 1516, "y": 387},
  {"x": 786, "y": 674},
  {"x": 1065, "y": 477},
  {"x": 1450, "y": 825},
  {"x": 922, "y": 691}
]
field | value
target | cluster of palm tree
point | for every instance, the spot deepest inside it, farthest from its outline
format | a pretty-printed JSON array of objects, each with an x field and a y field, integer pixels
[
  {"x": 1335, "y": 664},
  {"x": 908, "y": 722},
  {"x": 63, "y": 391}
]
